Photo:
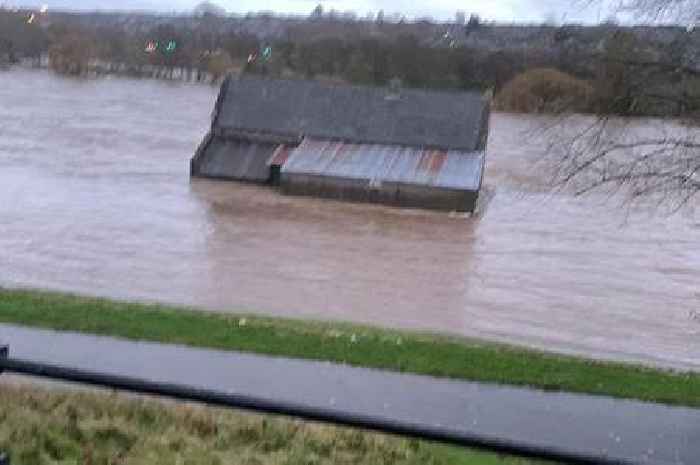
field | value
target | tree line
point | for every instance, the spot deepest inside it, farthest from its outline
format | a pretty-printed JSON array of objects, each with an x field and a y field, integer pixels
[{"x": 624, "y": 76}]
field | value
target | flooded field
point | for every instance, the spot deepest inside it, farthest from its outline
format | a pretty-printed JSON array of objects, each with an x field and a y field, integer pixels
[{"x": 95, "y": 198}]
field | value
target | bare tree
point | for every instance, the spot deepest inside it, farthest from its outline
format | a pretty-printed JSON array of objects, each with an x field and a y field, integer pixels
[
  {"x": 650, "y": 160},
  {"x": 680, "y": 11},
  {"x": 641, "y": 158}
]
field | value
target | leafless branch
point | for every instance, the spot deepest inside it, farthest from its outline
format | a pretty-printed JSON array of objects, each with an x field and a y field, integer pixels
[
  {"x": 662, "y": 10},
  {"x": 614, "y": 155}
]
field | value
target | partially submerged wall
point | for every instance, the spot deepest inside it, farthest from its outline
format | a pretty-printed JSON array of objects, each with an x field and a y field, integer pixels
[
  {"x": 238, "y": 160},
  {"x": 386, "y": 193}
]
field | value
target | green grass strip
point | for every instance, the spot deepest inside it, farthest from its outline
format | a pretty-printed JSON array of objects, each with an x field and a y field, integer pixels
[{"x": 401, "y": 351}]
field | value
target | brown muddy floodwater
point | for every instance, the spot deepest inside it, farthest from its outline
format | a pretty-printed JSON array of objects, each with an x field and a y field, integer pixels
[{"x": 95, "y": 198}]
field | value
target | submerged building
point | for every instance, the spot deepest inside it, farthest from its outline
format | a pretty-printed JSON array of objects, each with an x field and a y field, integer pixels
[{"x": 401, "y": 147}]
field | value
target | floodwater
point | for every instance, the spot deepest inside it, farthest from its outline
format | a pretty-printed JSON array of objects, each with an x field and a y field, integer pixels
[{"x": 95, "y": 198}]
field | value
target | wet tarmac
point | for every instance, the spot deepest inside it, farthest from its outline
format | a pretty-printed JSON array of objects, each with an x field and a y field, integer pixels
[
  {"x": 95, "y": 198},
  {"x": 619, "y": 429}
]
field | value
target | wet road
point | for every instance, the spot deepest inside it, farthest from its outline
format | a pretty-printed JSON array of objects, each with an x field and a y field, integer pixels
[
  {"x": 95, "y": 198},
  {"x": 624, "y": 430}
]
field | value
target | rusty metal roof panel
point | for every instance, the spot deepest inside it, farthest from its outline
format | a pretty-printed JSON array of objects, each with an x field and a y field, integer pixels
[
  {"x": 412, "y": 166},
  {"x": 280, "y": 155},
  {"x": 311, "y": 158},
  {"x": 387, "y": 163}
]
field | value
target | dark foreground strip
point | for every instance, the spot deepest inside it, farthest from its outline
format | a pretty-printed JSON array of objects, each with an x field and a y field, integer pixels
[{"x": 188, "y": 393}]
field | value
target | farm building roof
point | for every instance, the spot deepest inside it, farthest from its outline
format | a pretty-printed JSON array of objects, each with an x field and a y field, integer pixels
[
  {"x": 384, "y": 163},
  {"x": 354, "y": 114}
]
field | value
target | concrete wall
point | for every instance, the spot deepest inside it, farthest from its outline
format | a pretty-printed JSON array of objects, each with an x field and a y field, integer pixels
[{"x": 394, "y": 194}]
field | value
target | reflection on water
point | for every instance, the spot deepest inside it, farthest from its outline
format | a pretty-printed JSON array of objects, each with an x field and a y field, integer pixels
[{"x": 95, "y": 198}]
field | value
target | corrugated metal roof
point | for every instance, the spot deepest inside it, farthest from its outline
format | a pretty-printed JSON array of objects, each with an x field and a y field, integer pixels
[
  {"x": 387, "y": 163},
  {"x": 280, "y": 156}
]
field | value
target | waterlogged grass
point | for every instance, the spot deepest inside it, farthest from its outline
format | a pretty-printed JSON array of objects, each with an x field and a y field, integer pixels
[
  {"x": 39, "y": 427},
  {"x": 345, "y": 343}
]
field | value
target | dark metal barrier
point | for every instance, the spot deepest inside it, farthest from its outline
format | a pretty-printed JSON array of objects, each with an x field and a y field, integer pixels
[
  {"x": 341, "y": 418},
  {"x": 4, "y": 353}
]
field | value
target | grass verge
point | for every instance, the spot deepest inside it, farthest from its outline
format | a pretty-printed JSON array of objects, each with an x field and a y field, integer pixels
[
  {"x": 42, "y": 427},
  {"x": 355, "y": 345}
]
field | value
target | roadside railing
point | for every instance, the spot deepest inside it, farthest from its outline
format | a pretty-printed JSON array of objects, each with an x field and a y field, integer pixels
[{"x": 274, "y": 407}]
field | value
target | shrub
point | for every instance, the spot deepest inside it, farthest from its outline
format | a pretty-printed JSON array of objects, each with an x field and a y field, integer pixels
[
  {"x": 545, "y": 90},
  {"x": 219, "y": 63}
]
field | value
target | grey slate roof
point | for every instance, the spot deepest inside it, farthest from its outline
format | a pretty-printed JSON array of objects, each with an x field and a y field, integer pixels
[{"x": 420, "y": 118}]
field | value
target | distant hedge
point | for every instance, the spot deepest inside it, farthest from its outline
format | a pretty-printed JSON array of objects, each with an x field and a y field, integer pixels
[{"x": 545, "y": 90}]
